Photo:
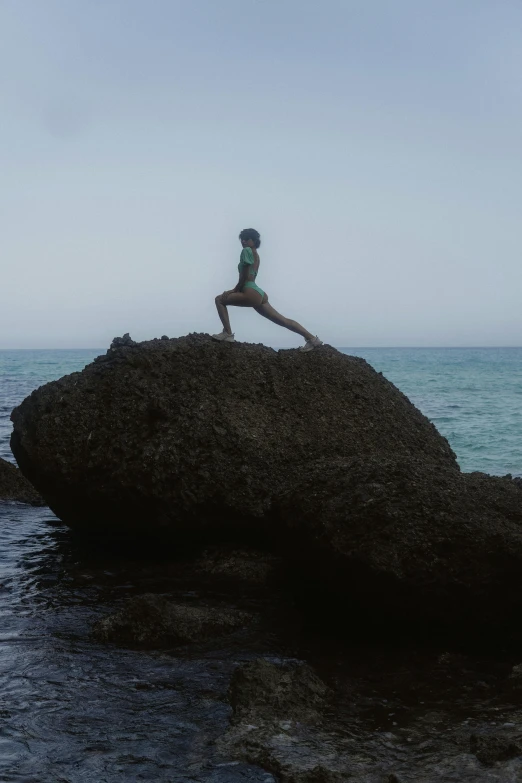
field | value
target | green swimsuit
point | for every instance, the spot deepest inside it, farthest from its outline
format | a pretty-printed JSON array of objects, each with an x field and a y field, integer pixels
[{"x": 247, "y": 259}]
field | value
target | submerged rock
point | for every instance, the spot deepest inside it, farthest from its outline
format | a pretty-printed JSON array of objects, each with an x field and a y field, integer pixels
[
  {"x": 154, "y": 621},
  {"x": 490, "y": 748},
  {"x": 192, "y": 435},
  {"x": 277, "y": 711},
  {"x": 15, "y": 487},
  {"x": 261, "y": 690}
]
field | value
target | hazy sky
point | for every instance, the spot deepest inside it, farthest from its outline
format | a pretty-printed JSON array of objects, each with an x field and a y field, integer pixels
[{"x": 375, "y": 144}]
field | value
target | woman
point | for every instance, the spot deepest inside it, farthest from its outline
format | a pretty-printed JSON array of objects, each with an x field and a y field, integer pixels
[{"x": 248, "y": 294}]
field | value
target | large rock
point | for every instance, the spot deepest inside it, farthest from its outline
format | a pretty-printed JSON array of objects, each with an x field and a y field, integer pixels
[
  {"x": 189, "y": 434},
  {"x": 317, "y": 452},
  {"x": 404, "y": 540},
  {"x": 14, "y": 487}
]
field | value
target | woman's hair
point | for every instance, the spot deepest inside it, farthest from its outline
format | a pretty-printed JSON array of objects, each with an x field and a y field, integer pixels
[{"x": 251, "y": 233}]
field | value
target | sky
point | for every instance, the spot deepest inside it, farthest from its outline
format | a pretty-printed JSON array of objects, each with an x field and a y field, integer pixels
[{"x": 376, "y": 146}]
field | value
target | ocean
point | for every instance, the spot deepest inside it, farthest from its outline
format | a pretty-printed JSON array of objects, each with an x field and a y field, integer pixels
[{"x": 472, "y": 395}]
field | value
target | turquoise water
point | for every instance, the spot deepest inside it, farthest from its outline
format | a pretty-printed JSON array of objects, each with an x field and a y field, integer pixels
[
  {"x": 472, "y": 395},
  {"x": 23, "y": 371}
]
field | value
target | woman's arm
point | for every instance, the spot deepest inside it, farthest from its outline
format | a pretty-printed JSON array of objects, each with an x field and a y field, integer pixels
[{"x": 243, "y": 277}]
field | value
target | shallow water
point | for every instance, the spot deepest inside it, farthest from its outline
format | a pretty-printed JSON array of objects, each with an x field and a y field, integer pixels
[{"x": 74, "y": 710}]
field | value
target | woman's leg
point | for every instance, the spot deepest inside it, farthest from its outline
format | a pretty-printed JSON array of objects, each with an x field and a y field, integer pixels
[
  {"x": 268, "y": 311},
  {"x": 250, "y": 298},
  {"x": 223, "y": 313}
]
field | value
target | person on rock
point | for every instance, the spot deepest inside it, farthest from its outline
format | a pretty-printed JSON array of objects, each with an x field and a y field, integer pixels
[{"x": 248, "y": 294}]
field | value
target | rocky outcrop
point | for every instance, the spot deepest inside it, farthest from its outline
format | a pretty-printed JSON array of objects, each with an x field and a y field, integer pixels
[
  {"x": 314, "y": 454},
  {"x": 393, "y": 537},
  {"x": 277, "y": 711},
  {"x": 154, "y": 621},
  {"x": 490, "y": 749},
  {"x": 14, "y": 487},
  {"x": 246, "y": 569},
  {"x": 190, "y": 435},
  {"x": 265, "y": 691}
]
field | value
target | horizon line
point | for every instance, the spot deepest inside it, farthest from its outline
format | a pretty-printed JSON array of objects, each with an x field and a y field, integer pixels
[{"x": 289, "y": 348}]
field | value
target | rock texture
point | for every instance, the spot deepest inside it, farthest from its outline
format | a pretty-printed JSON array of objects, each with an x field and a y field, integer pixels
[
  {"x": 314, "y": 453},
  {"x": 14, "y": 487},
  {"x": 246, "y": 569},
  {"x": 277, "y": 711},
  {"x": 490, "y": 749},
  {"x": 154, "y": 621},
  {"x": 189, "y": 434},
  {"x": 264, "y": 691},
  {"x": 406, "y": 541}
]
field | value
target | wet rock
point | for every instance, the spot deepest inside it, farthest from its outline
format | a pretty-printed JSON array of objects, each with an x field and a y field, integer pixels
[
  {"x": 262, "y": 690},
  {"x": 189, "y": 435},
  {"x": 248, "y": 567},
  {"x": 15, "y": 487},
  {"x": 490, "y": 748},
  {"x": 276, "y": 723},
  {"x": 154, "y": 621},
  {"x": 318, "y": 774},
  {"x": 394, "y": 540}
]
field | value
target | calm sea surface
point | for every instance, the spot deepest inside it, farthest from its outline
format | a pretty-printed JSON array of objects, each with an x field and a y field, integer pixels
[
  {"x": 75, "y": 711},
  {"x": 472, "y": 395}
]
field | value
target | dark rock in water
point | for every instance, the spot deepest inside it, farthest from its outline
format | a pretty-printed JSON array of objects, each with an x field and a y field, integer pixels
[
  {"x": 246, "y": 567},
  {"x": 262, "y": 690},
  {"x": 489, "y": 748},
  {"x": 516, "y": 673},
  {"x": 190, "y": 434},
  {"x": 277, "y": 709},
  {"x": 153, "y": 621},
  {"x": 406, "y": 541},
  {"x": 14, "y": 487},
  {"x": 314, "y": 452}
]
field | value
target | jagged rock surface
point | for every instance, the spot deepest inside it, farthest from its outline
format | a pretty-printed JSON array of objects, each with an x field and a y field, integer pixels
[
  {"x": 262, "y": 690},
  {"x": 154, "y": 621},
  {"x": 14, "y": 487},
  {"x": 189, "y": 434},
  {"x": 428, "y": 546},
  {"x": 316, "y": 453}
]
